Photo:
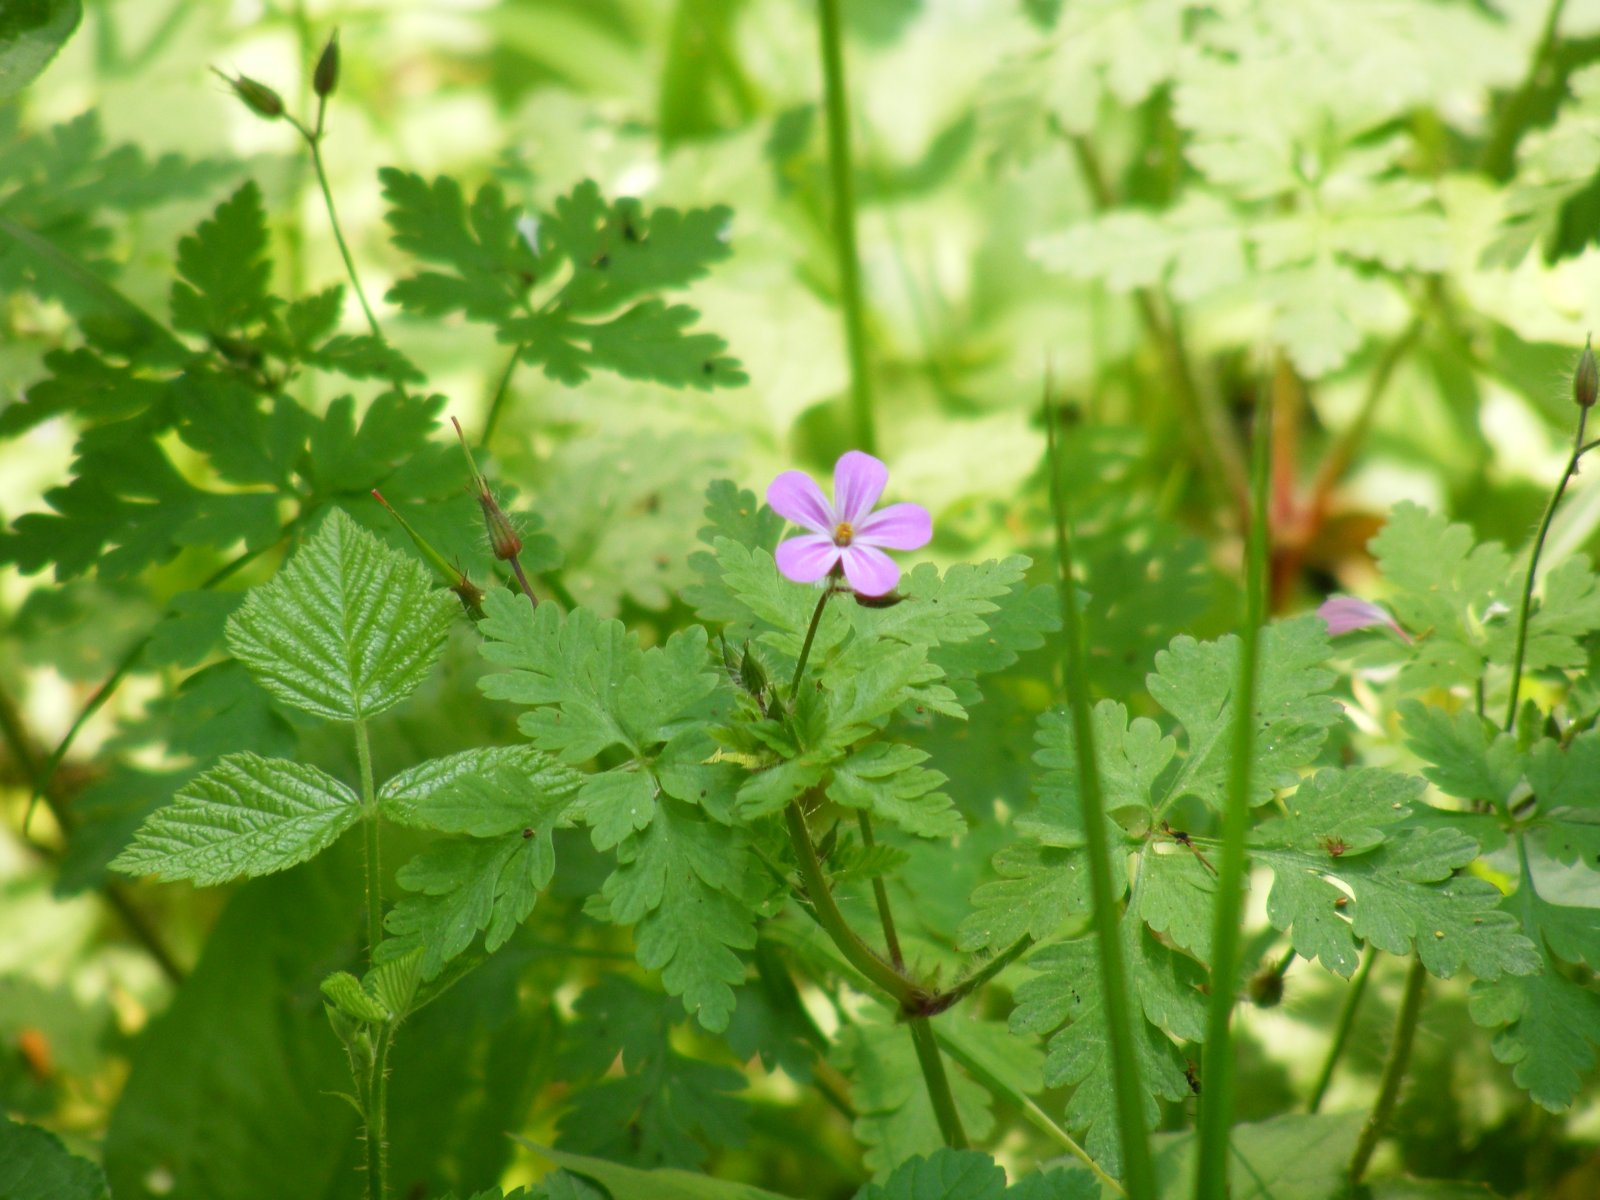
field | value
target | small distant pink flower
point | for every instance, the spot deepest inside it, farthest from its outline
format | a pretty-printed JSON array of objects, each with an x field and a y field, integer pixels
[
  {"x": 1345, "y": 614},
  {"x": 846, "y": 531}
]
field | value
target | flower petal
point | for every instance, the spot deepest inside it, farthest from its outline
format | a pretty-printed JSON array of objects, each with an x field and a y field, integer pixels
[
  {"x": 807, "y": 558},
  {"x": 858, "y": 481},
  {"x": 898, "y": 527},
  {"x": 870, "y": 571},
  {"x": 794, "y": 496},
  {"x": 1345, "y": 614}
]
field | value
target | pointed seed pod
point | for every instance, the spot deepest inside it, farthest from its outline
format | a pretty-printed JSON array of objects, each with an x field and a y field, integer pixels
[
  {"x": 503, "y": 539},
  {"x": 260, "y": 99},
  {"x": 326, "y": 76},
  {"x": 1586, "y": 380}
]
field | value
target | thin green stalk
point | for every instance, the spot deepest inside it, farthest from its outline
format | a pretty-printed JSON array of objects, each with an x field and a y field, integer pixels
[
  {"x": 1341, "y": 1030},
  {"x": 958, "y": 993},
  {"x": 1578, "y": 448},
  {"x": 1216, "y": 1107},
  {"x": 369, "y": 808},
  {"x": 500, "y": 393},
  {"x": 842, "y": 178},
  {"x": 861, "y": 956},
  {"x": 944, "y": 1101},
  {"x": 1030, "y": 1110},
  {"x": 1139, "y": 1174},
  {"x": 880, "y": 894},
  {"x": 805, "y": 646},
  {"x": 1394, "y": 1072},
  {"x": 313, "y": 141}
]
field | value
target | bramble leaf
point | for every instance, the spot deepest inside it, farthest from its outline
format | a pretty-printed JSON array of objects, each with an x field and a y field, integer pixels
[
  {"x": 347, "y": 629},
  {"x": 246, "y": 816}
]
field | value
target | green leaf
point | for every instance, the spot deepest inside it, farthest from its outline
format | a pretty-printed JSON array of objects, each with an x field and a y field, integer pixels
[
  {"x": 1065, "y": 1002},
  {"x": 888, "y": 781},
  {"x": 664, "y": 1107},
  {"x": 1293, "y": 1157},
  {"x": 1194, "y": 682},
  {"x": 682, "y": 883},
  {"x": 362, "y": 356},
  {"x": 663, "y": 1183},
  {"x": 1548, "y": 1025},
  {"x": 1467, "y": 757},
  {"x": 34, "y": 1165},
  {"x": 1404, "y": 894},
  {"x": 894, "y": 1117},
  {"x": 467, "y": 887},
  {"x": 224, "y": 269},
  {"x": 405, "y": 797},
  {"x": 30, "y": 35},
  {"x": 484, "y": 792},
  {"x": 246, "y": 816},
  {"x": 1040, "y": 888},
  {"x": 608, "y": 256},
  {"x": 347, "y": 629},
  {"x": 1445, "y": 585},
  {"x": 970, "y": 1175},
  {"x": 344, "y": 991}
]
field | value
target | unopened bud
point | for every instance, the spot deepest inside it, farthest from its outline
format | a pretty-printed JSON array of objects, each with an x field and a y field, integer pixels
[
  {"x": 1586, "y": 380},
  {"x": 503, "y": 538},
  {"x": 1266, "y": 988},
  {"x": 261, "y": 99},
  {"x": 326, "y": 76}
]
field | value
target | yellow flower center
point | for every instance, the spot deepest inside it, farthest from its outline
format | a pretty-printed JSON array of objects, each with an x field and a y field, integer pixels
[{"x": 843, "y": 533}]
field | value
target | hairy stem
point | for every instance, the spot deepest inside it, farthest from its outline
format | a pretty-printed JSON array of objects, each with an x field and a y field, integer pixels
[
  {"x": 861, "y": 956},
  {"x": 842, "y": 180},
  {"x": 1523, "y": 613},
  {"x": 369, "y": 809},
  {"x": 1216, "y": 1107},
  {"x": 983, "y": 974},
  {"x": 944, "y": 1101},
  {"x": 1139, "y": 1175},
  {"x": 1394, "y": 1072},
  {"x": 880, "y": 894},
  {"x": 378, "y": 1117},
  {"x": 1341, "y": 1029}
]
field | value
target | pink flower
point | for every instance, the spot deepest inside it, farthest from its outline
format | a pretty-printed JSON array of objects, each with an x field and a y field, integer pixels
[
  {"x": 846, "y": 531},
  {"x": 1346, "y": 614}
]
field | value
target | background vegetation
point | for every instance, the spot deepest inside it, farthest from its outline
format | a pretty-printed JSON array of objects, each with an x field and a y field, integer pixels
[{"x": 1367, "y": 226}]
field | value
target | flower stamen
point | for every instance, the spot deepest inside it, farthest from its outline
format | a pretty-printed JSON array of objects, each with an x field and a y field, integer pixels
[{"x": 843, "y": 534}]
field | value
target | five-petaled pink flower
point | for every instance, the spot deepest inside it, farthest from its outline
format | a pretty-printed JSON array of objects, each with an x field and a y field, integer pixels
[{"x": 847, "y": 531}]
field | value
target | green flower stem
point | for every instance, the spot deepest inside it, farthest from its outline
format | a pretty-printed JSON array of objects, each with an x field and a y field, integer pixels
[
  {"x": 313, "y": 141},
  {"x": 880, "y": 893},
  {"x": 1341, "y": 1031},
  {"x": 1578, "y": 448},
  {"x": 841, "y": 176},
  {"x": 944, "y": 1101},
  {"x": 1216, "y": 1106},
  {"x": 861, "y": 956},
  {"x": 1394, "y": 1072},
  {"x": 498, "y": 402},
  {"x": 805, "y": 646},
  {"x": 1139, "y": 1175},
  {"x": 376, "y": 1112}
]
